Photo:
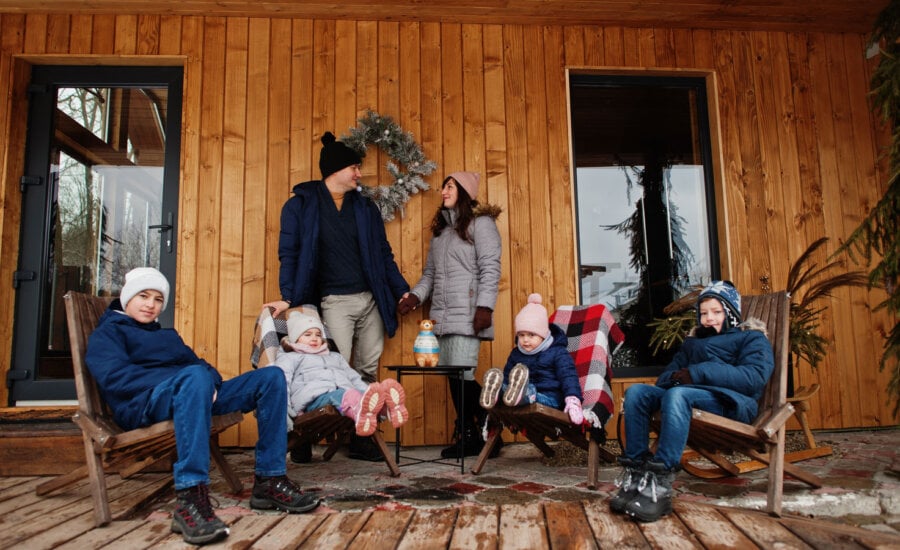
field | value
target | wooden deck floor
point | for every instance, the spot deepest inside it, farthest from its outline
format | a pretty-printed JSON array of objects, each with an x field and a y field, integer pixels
[{"x": 65, "y": 521}]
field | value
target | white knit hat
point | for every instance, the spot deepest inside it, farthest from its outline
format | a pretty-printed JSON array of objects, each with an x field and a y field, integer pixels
[
  {"x": 299, "y": 322},
  {"x": 144, "y": 278}
]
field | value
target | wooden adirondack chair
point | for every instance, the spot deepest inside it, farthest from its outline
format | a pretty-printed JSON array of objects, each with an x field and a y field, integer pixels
[
  {"x": 107, "y": 447},
  {"x": 589, "y": 330},
  {"x": 325, "y": 423},
  {"x": 717, "y": 438}
]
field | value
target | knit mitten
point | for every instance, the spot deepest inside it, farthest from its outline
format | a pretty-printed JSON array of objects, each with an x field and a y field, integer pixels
[{"x": 573, "y": 409}]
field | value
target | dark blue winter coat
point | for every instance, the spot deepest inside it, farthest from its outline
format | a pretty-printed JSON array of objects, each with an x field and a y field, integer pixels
[
  {"x": 298, "y": 251},
  {"x": 128, "y": 359},
  {"x": 552, "y": 371},
  {"x": 735, "y": 365}
]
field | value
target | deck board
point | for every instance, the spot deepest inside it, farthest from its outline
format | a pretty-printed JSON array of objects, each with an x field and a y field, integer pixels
[{"x": 66, "y": 521}]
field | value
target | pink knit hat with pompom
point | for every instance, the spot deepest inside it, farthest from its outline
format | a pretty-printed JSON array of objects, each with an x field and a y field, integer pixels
[{"x": 533, "y": 317}]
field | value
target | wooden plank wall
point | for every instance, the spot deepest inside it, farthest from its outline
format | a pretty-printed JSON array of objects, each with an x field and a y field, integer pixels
[{"x": 796, "y": 159}]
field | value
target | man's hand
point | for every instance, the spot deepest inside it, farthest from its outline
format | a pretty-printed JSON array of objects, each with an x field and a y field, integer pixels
[
  {"x": 407, "y": 303},
  {"x": 277, "y": 307}
]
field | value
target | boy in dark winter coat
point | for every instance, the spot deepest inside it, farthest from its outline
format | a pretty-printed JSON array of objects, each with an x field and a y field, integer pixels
[
  {"x": 147, "y": 374},
  {"x": 539, "y": 369},
  {"x": 721, "y": 368}
]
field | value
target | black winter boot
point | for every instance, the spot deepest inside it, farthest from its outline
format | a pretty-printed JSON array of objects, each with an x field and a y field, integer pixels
[
  {"x": 194, "y": 517},
  {"x": 473, "y": 444},
  {"x": 627, "y": 482},
  {"x": 654, "y": 493}
]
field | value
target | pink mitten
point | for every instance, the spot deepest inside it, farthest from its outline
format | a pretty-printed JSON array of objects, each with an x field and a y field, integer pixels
[{"x": 573, "y": 409}]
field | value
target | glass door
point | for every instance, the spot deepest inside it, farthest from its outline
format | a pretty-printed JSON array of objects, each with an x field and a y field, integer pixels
[{"x": 99, "y": 198}]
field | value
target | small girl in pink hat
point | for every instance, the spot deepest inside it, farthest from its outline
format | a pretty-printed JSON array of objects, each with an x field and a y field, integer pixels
[{"x": 539, "y": 369}]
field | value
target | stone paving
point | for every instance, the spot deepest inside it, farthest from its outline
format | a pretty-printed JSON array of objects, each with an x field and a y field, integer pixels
[{"x": 862, "y": 482}]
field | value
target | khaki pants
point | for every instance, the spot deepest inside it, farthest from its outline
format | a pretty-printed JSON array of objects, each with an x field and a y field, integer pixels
[{"x": 355, "y": 325}]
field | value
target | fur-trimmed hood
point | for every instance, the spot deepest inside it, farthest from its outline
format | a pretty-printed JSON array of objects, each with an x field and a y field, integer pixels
[
  {"x": 491, "y": 210},
  {"x": 753, "y": 323}
]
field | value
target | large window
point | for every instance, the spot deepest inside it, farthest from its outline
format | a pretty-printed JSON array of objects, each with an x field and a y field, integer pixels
[{"x": 644, "y": 199}]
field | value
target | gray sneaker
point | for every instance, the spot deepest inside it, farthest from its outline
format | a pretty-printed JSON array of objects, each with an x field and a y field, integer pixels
[
  {"x": 493, "y": 381},
  {"x": 518, "y": 381}
]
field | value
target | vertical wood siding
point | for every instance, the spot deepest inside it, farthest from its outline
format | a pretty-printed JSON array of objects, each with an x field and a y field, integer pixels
[{"x": 797, "y": 156}]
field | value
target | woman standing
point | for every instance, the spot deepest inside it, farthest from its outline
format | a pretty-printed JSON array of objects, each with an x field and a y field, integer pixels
[{"x": 461, "y": 277}]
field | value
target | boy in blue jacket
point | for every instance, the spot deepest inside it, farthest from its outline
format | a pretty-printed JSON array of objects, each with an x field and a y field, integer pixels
[
  {"x": 721, "y": 368},
  {"x": 147, "y": 374},
  {"x": 539, "y": 369}
]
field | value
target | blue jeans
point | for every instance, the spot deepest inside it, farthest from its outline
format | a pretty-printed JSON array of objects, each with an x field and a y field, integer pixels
[
  {"x": 333, "y": 397},
  {"x": 187, "y": 398},
  {"x": 531, "y": 395},
  {"x": 675, "y": 404}
]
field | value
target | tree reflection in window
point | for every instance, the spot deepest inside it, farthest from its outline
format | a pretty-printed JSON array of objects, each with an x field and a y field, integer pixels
[{"x": 646, "y": 225}]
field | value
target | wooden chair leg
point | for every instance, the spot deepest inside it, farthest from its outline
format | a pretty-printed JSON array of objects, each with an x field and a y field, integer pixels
[
  {"x": 486, "y": 450},
  {"x": 593, "y": 463},
  {"x": 97, "y": 478},
  {"x": 776, "y": 475},
  {"x": 388, "y": 458},
  {"x": 234, "y": 482},
  {"x": 61, "y": 481}
]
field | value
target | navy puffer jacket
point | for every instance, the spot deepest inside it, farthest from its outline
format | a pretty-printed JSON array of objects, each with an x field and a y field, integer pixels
[
  {"x": 128, "y": 359},
  {"x": 552, "y": 371},
  {"x": 735, "y": 365},
  {"x": 298, "y": 251}
]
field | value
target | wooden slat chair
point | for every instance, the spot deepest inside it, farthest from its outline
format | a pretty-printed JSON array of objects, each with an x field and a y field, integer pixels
[
  {"x": 107, "y": 447},
  {"x": 323, "y": 424},
  {"x": 717, "y": 438},
  {"x": 589, "y": 329}
]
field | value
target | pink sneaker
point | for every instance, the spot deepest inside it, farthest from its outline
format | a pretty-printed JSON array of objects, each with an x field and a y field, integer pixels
[
  {"x": 395, "y": 402},
  {"x": 366, "y": 417}
]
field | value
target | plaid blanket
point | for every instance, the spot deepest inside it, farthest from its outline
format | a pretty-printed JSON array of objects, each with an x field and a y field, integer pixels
[
  {"x": 269, "y": 331},
  {"x": 593, "y": 335}
]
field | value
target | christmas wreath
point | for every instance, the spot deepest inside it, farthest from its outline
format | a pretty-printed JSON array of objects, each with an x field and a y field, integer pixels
[{"x": 382, "y": 131}]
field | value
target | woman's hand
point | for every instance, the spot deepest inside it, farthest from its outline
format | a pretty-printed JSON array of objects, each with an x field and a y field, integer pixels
[
  {"x": 482, "y": 319},
  {"x": 277, "y": 307}
]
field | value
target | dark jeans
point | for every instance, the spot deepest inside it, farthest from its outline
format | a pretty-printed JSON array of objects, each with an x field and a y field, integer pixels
[
  {"x": 675, "y": 404},
  {"x": 187, "y": 398}
]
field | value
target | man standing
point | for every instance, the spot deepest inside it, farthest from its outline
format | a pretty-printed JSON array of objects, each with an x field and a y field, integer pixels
[{"x": 334, "y": 252}]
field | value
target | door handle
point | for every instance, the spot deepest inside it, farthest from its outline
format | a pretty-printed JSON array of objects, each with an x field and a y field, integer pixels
[{"x": 167, "y": 227}]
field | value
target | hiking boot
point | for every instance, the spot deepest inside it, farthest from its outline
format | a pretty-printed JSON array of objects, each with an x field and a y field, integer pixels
[
  {"x": 493, "y": 381},
  {"x": 302, "y": 453},
  {"x": 654, "y": 493},
  {"x": 518, "y": 381},
  {"x": 281, "y": 493},
  {"x": 363, "y": 448},
  {"x": 627, "y": 482},
  {"x": 194, "y": 517}
]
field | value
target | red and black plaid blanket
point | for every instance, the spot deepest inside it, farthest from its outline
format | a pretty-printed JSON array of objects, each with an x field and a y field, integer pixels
[{"x": 593, "y": 335}]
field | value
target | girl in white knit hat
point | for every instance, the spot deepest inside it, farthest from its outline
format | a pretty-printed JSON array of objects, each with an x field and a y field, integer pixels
[{"x": 316, "y": 377}]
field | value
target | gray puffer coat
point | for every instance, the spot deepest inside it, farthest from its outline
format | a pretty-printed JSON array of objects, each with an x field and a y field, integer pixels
[{"x": 460, "y": 276}]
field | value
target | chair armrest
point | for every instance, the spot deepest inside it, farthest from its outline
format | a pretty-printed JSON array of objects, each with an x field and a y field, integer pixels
[{"x": 775, "y": 422}]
